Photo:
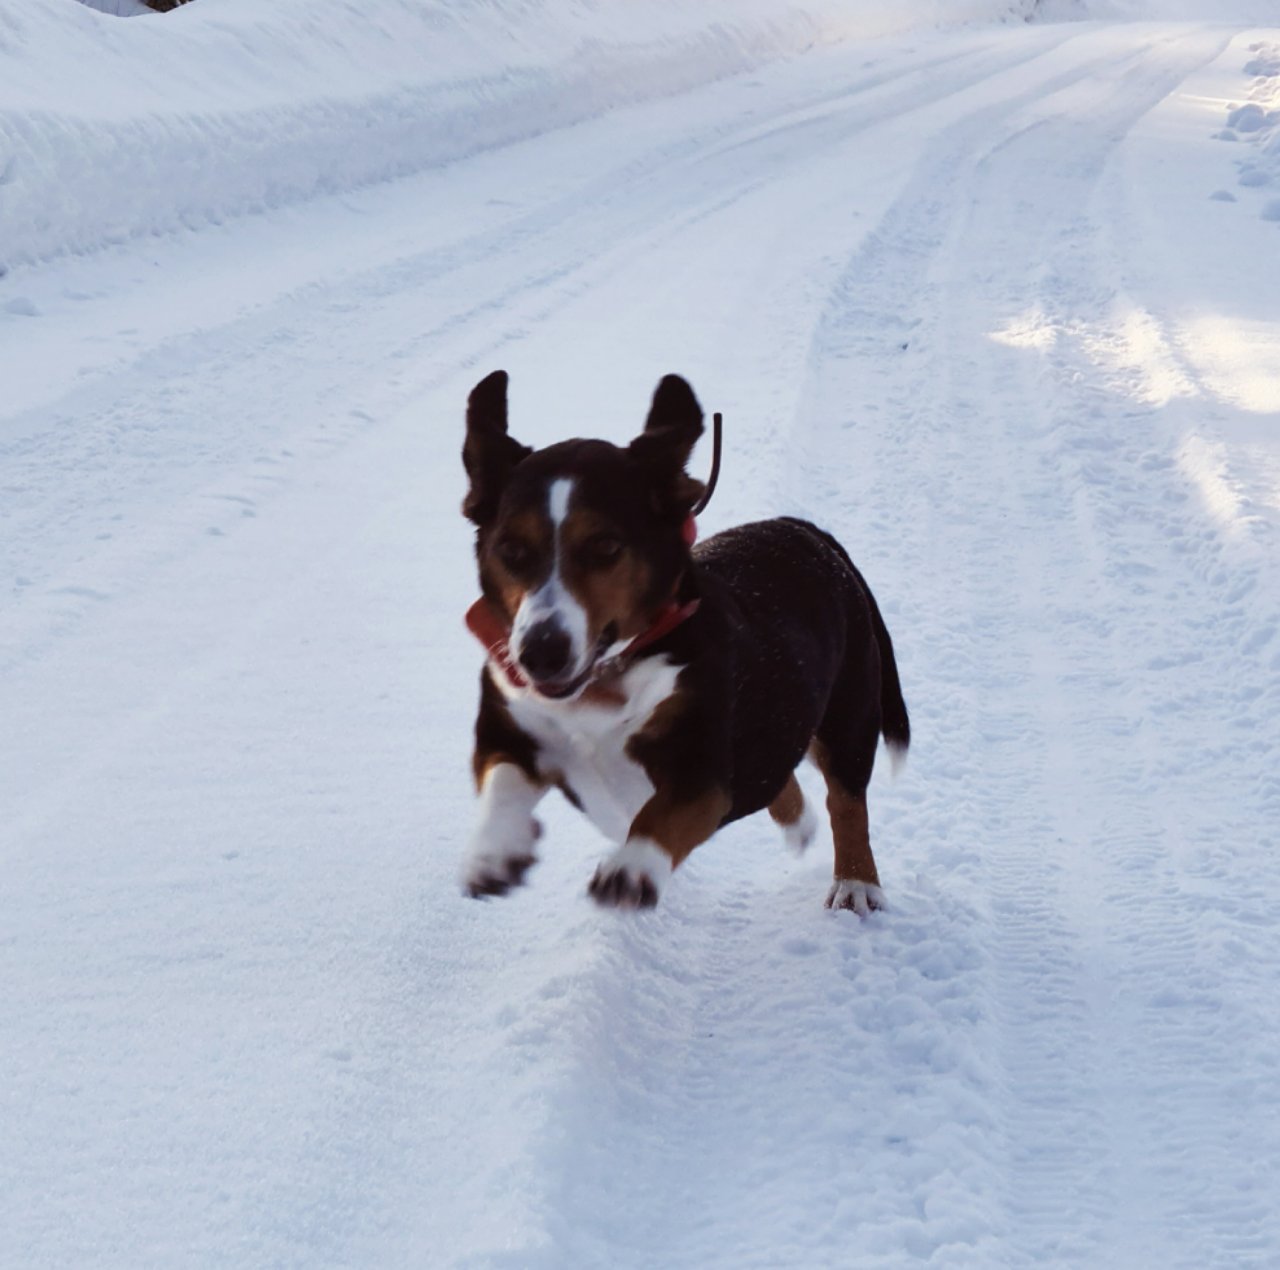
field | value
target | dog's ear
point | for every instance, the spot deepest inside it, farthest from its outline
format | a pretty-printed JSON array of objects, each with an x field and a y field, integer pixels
[
  {"x": 670, "y": 433},
  {"x": 488, "y": 453}
]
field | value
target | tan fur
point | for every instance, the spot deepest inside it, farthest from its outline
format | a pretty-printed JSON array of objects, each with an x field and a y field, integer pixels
[
  {"x": 676, "y": 826},
  {"x": 786, "y": 809},
  {"x": 602, "y": 692},
  {"x": 849, "y": 828},
  {"x": 679, "y": 827},
  {"x": 528, "y": 527},
  {"x": 607, "y": 594},
  {"x": 483, "y": 763}
]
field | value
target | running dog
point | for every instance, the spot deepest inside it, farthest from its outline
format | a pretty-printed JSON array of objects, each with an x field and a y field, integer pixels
[{"x": 665, "y": 689}]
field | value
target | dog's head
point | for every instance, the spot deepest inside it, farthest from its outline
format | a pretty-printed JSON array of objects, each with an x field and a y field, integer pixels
[{"x": 582, "y": 543}]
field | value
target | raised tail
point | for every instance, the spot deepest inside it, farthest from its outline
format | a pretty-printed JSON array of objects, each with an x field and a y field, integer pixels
[{"x": 894, "y": 722}]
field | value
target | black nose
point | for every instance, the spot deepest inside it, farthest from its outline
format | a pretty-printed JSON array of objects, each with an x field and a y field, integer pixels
[{"x": 544, "y": 652}]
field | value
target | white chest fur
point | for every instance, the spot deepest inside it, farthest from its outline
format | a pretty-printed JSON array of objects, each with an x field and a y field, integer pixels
[{"x": 585, "y": 743}]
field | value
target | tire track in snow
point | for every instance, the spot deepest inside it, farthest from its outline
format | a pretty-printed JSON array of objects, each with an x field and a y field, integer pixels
[
  {"x": 407, "y": 326},
  {"x": 204, "y": 679},
  {"x": 859, "y": 1076},
  {"x": 1048, "y": 602}
]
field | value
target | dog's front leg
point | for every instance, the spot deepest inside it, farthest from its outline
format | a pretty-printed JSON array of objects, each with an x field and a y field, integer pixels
[
  {"x": 664, "y": 832},
  {"x": 503, "y": 846}
]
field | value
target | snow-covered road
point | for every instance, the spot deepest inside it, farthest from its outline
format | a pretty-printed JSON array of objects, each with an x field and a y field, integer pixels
[{"x": 968, "y": 299}]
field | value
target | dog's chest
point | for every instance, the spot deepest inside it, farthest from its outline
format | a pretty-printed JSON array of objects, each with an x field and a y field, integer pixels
[{"x": 585, "y": 743}]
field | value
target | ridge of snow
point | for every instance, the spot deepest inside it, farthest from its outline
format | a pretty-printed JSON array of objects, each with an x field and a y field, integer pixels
[{"x": 111, "y": 130}]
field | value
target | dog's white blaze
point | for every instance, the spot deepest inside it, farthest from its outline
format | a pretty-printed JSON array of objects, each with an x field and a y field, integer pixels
[
  {"x": 505, "y": 827},
  {"x": 639, "y": 858},
  {"x": 558, "y": 502},
  {"x": 585, "y": 743},
  {"x": 552, "y": 600}
]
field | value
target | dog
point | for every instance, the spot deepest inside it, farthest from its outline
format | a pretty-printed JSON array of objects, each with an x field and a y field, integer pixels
[{"x": 666, "y": 689}]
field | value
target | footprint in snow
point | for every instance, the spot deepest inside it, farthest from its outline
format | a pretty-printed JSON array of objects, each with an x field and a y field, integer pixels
[{"x": 799, "y": 947}]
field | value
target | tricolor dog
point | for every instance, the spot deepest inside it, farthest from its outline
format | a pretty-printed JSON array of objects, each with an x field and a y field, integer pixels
[{"x": 665, "y": 689}]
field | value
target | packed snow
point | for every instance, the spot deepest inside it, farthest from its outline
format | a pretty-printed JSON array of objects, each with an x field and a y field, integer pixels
[{"x": 992, "y": 299}]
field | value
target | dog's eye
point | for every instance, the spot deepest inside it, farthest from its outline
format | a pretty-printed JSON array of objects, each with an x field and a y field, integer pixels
[
  {"x": 601, "y": 550},
  {"x": 514, "y": 554}
]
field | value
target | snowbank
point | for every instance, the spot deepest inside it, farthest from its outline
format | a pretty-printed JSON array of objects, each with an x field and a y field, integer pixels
[
  {"x": 1263, "y": 12},
  {"x": 1255, "y": 124},
  {"x": 110, "y": 130},
  {"x": 120, "y": 8}
]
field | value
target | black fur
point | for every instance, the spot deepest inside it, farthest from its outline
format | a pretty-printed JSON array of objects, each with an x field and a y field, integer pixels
[
  {"x": 787, "y": 645},
  {"x": 488, "y": 454}
]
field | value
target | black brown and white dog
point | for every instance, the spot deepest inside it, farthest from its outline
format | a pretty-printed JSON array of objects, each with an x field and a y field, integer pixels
[{"x": 665, "y": 689}]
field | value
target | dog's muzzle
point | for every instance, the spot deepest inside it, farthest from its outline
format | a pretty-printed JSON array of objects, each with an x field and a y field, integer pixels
[{"x": 546, "y": 656}]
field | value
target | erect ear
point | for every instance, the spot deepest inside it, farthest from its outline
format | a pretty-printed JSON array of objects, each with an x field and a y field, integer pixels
[
  {"x": 488, "y": 453},
  {"x": 670, "y": 433}
]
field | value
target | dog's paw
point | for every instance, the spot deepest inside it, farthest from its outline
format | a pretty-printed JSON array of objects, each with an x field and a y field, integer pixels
[
  {"x": 491, "y": 870},
  {"x": 495, "y": 875},
  {"x": 863, "y": 898},
  {"x": 632, "y": 877},
  {"x": 800, "y": 834}
]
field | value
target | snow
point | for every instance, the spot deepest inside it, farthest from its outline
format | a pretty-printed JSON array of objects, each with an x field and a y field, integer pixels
[
  {"x": 234, "y": 107},
  {"x": 967, "y": 293},
  {"x": 120, "y": 8}
]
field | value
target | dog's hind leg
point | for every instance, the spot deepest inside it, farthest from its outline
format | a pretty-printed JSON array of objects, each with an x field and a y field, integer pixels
[
  {"x": 792, "y": 813},
  {"x": 845, "y": 755}
]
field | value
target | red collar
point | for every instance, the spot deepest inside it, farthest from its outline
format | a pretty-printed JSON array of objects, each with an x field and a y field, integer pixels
[
  {"x": 486, "y": 626},
  {"x": 494, "y": 634}
]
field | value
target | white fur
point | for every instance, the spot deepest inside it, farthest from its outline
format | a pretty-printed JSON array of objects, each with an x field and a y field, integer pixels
[
  {"x": 552, "y": 600},
  {"x": 639, "y": 858},
  {"x": 585, "y": 743},
  {"x": 859, "y": 896},
  {"x": 506, "y": 829},
  {"x": 897, "y": 758},
  {"x": 799, "y": 836},
  {"x": 558, "y": 502}
]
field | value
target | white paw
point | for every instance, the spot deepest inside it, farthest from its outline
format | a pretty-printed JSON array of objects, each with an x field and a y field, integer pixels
[
  {"x": 799, "y": 836},
  {"x": 862, "y": 897},
  {"x": 501, "y": 850},
  {"x": 491, "y": 868},
  {"x": 632, "y": 877}
]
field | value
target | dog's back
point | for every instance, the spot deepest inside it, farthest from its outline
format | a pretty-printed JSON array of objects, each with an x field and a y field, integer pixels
[{"x": 794, "y": 643}]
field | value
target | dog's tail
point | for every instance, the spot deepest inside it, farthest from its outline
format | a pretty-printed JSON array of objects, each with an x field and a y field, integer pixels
[{"x": 894, "y": 722}]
